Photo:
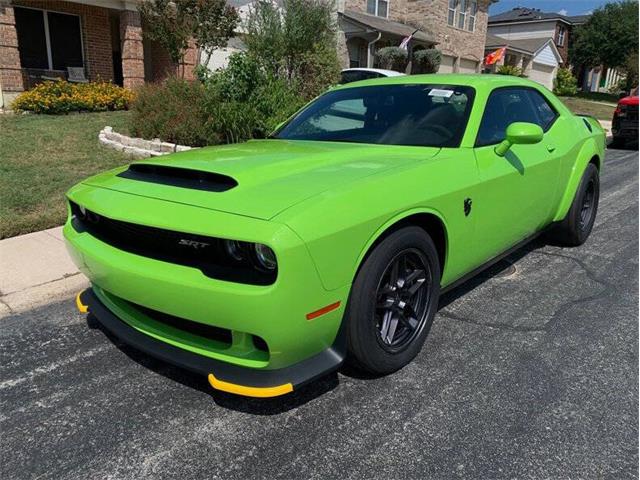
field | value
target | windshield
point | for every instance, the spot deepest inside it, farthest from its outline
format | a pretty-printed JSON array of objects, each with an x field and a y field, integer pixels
[{"x": 419, "y": 115}]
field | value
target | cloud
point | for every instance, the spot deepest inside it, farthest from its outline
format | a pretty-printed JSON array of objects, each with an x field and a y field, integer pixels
[{"x": 563, "y": 11}]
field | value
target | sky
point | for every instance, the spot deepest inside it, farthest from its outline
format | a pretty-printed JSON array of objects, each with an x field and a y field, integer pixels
[{"x": 565, "y": 7}]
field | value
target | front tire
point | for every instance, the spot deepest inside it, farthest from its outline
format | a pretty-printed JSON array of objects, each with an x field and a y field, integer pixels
[
  {"x": 577, "y": 225},
  {"x": 393, "y": 302}
]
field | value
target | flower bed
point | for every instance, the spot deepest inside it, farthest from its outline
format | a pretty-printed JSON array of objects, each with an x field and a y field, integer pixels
[{"x": 62, "y": 97}]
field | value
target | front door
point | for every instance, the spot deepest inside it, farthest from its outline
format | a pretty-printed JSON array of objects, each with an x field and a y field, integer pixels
[{"x": 517, "y": 191}]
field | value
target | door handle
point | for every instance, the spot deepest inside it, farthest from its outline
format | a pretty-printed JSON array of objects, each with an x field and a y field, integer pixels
[{"x": 551, "y": 148}]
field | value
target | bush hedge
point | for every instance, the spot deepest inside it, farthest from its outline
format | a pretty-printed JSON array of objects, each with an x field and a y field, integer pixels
[
  {"x": 60, "y": 96},
  {"x": 173, "y": 111},
  {"x": 426, "y": 61},
  {"x": 393, "y": 58},
  {"x": 232, "y": 105},
  {"x": 565, "y": 84},
  {"x": 509, "y": 70}
]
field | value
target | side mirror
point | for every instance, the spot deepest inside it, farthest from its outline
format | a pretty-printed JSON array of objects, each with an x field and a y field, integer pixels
[{"x": 519, "y": 133}]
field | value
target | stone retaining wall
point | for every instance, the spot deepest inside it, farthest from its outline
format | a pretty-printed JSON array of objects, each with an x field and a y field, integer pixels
[{"x": 138, "y": 147}]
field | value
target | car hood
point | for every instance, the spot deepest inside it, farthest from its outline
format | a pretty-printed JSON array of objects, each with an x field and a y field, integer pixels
[{"x": 259, "y": 178}]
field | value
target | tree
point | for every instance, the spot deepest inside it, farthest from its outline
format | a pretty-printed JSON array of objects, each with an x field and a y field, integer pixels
[
  {"x": 608, "y": 37},
  {"x": 175, "y": 23},
  {"x": 212, "y": 24},
  {"x": 287, "y": 36},
  {"x": 166, "y": 23}
]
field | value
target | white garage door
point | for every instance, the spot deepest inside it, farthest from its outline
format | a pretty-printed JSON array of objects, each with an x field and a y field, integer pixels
[
  {"x": 543, "y": 74},
  {"x": 468, "y": 66},
  {"x": 446, "y": 65}
]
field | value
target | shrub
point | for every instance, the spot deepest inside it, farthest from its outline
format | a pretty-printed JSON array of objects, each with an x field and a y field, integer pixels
[
  {"x": 509, "y": 70},
  {"x": 173, "y": 111},
  {"x": 61, "y": 96},
  {"x": 281, "y": 33},
  {"x": 244, "y": 101},
  {"x": 393, "y": 58},
  {"x": 426, "y": 61},
  {"x": 295, "y": 41},
  {"x": 317, "y": 70},
  {"x": 240, "y": 102},
  {"x": 565, "y": 84}
]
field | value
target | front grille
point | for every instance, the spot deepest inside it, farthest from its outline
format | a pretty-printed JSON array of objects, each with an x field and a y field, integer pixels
[
  {"x": 204, "y": 253},
  {"x": 210, "y": 332}
]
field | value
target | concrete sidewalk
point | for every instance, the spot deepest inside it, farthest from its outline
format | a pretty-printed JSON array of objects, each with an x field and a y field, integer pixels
[{"x": 35, "y": 270}]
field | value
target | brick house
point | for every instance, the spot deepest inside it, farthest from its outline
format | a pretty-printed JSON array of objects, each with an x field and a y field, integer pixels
[
  {"x": 538, "y": 58},
  {"x": 456, "y": 27},
  {"x": 78, "y": 40},
  {"x": 526, "y": 23},
  {"x": 530, "y": 24}
]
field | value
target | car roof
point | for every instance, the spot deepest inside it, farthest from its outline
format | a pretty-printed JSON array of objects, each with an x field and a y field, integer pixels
[
  {"x": 478, "y": 80},
  {"x": 388, "y": 73}
]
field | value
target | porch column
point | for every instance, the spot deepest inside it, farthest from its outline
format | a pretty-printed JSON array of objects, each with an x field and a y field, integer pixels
[
  {"x": 10, "y": 68},
  {"x": 132, "y": 49},
  {"x": 525, "y": 65}
]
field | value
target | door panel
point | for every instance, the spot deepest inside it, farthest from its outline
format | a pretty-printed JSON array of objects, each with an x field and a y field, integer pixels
[
  {"x": 514, "y": 200},
  {"x": 517, "y": 191}
]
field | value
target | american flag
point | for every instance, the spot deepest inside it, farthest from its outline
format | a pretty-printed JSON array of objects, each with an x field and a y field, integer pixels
[{"x": 405, "y": 41}]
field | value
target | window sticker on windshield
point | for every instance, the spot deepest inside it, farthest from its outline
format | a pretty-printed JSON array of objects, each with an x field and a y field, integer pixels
[{"x": 437, "y": 92}]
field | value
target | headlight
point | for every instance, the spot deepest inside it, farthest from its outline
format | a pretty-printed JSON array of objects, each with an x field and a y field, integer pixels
[
  {"x": 234, "y": 249},
  {"x": 265, "y": 256},
  {"x": 256, "y": 255}
]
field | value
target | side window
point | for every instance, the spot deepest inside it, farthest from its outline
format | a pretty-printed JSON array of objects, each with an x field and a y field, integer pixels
[
  {"x": 505, "y": 106},
  {"x": 546, "y": 113}
]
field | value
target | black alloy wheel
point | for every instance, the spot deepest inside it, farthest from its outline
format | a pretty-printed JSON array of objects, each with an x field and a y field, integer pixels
[
  {"x": 393, "y": 301},
  {"x": 578, "y": 223},
  {"x": 402, "y": 300},
  {"x": 588, "y": 204}
]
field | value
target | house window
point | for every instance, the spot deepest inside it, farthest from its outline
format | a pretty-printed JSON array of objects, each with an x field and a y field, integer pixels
[
  {"x": 48, "y": 40},
  {"x": 453, "y": 5},
  {"x": 562, "y": 31},
  {"x": 473, "y": 10},
  {"x": 379, "y": 8},
  {"x": 462, "y": 13}
]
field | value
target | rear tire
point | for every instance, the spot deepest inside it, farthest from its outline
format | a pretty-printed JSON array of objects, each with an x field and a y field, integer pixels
[
  {"x": 393, "y": 302},
  {"x": 577, "y": 225}
]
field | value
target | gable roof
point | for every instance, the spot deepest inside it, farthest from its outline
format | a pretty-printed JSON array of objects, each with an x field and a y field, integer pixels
[
  {"x": 386, "y": 26},
  {"x": 524, "y": 14},
  {"x": 579, "y": 19},
  {"x": 530, "y": 46}
]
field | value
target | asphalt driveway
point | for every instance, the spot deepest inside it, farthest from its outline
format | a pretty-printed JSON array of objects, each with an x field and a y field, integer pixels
[{"x": 530, "y": 372}]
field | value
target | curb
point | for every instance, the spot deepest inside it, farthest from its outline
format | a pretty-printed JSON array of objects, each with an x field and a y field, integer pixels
[{"x": 40, "y": 295}]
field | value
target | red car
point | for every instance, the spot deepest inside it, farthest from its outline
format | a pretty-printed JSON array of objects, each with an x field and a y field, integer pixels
[{"x": 624, "y": 126}]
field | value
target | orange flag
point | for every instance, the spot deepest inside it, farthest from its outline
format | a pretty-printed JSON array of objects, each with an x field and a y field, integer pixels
[{"x": 493, "y": 57}]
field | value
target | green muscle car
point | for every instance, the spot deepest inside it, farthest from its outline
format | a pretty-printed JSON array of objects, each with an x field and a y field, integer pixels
[{"x": 265, "y": 265}]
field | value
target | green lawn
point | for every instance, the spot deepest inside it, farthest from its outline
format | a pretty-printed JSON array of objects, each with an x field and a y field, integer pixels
[
  {"x": 599, "y": 97},
  {"x": 41, "y": 156},
  {"x": 581, "y": 105}
]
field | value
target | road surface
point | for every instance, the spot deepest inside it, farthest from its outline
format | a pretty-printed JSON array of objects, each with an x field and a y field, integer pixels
[{"x": 530, "y": 371}]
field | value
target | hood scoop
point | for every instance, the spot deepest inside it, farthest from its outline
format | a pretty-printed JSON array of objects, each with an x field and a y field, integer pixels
[{"x": 179, "y": 177}]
